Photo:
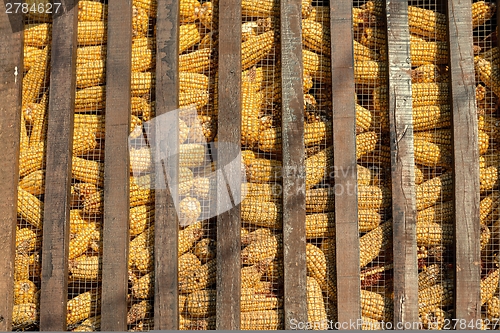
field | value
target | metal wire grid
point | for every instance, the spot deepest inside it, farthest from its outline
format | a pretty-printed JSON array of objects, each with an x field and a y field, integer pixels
[
  {"x": 373, "y": 153},
  {"x": 485, "y": 49},
  {"x": 31, "y": 170}
]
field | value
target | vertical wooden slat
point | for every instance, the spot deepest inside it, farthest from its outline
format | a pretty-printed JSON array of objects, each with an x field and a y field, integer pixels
[
  {"x": 59, "y": 145},
  {"x": 344, "y": 156},
  {"x": 294, "y": 201},
  {"x": 116, "y": 167},
  {"x": 166, "y": 312},
  {"x": 229, "y": 138},
  {"x": 403, "y": 164},
  {"x": 465, "y": 161},
  {"x": 11, "y": 75}
]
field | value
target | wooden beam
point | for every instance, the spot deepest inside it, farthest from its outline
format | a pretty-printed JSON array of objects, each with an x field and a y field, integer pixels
[
  {"x": 59, "y": 145},
  {"x": 465, "y": 162},
  {"x": 294, "y": 175},
  {"x": 403, "y": 164},
  {"x": 166, "y": 311},
  {"x": 345, "y": 164},
  {"x": 116, "y": 168},
  {"x": 11, "y": 76},
  {"x": 229, "y": 148}
]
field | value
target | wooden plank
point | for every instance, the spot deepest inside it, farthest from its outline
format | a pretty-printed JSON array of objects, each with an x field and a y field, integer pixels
[
  {"x": 59, "y": 145},
  {"x": 465, "y": 162},
  {"x": 229, "y": 137},
  {"x": 11, "y": 63},
  {"x": 116, "y": 168},
  {"x": 344, "y": 156},
  {"x": 166, "y": 310},
  {"x": 403, "y": 165},
  {"x": 294, "y": 175}
]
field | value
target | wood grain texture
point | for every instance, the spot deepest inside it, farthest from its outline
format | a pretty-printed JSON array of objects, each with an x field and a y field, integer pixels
[
  {"x": 59, "y": 145},
  {"x": 166, "y": 312},
  {"x": 344, "y": 156},
  {"x": 465, "y": 162},
  {"x": 116, "y": 168},
  {"x": 294, "y": 175},
  {"x": 229, "y": 148},
  {"x": 11, "y": 72},
  {"x": 403, "y": 164}
]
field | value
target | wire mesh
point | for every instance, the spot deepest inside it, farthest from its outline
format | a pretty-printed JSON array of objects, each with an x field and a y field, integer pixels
[
  {"x": 485, "y": 46},
  {"x": 27, "y": 266},
  {"x": 374, "y": 164}
]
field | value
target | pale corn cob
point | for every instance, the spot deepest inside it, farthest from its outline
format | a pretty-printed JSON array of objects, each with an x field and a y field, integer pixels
[
  {"x": 320, "y": 225},
  {"x": 250, "y": 275},
  {"x": 198, "y": 278},
  {"x": 92, "y": 98},
  {"x": 90, "y": 53},
  {"x": 189, "y": 10},
  {"x": 316, "y": 36},
  {"x": 316, "y": 65},
  {"x": 256, "y": 48},
  {"x": 143, "y": 240},
  {"x": 26, "y": 241},
  {"x": 189, "y": 36},
  {"x": 30, "y": 208},
  {"x": 254, "y": 28},
  {"x": 143, "y": 288},
  {"x": 261, "y": 213},
  {"x": 426, "y": 73},
  {"x": 370, "y": 72},
  {"x": 441, "y": 212},
  {"x": 493, "y": 307},
  {"x": 37, "y": 34},
  {"x": 88, "y": 171},
  {"x": 429, "y": 276},
  {"x": 431, "y": 117},
  {"x": 186, "y": 262},
  {"x": 422, "y": 53},
  {"x": 85, "y": 268},
  {"x": 488, "y": 72},
  {"x": 91, "y": 324},
  {"x": 188, "y": 236},
  {"x": 191, "y": 155},
  {"x": 316, "y": 262},
  {"x": 363, "y": 53},
  {"x": 259, "y": 302},
  {"x": 423, "y": 94},
  {"x": 427, "y": 23},
  {"x": 316, "y": 311},
  {"x": 373, "y": 242},
  {"x": 376, "y": 306},
  {"x": 82, "y": 306},
  {"x": 142, "y": 259},
  {"x": 203, "y": 130},
  {"x": 141, "y": 83},
  {"x": 440, "y": 294},
  {"x": 81, "y": 242},
  {"x": 437, "y": 189},
  {"x": 25, "y": 291},
  {"x": 432, "y": 154},
  {"x": 262, "y": 320},
  {"x": 26, "y": 266},
  {"x": 34, "y": 183},
  {"x": 488, "y": 178},
  {"x": 489, "y": 285},
  {"x": 34, "y": 79},
  {"x": 205, "y": 249},
  {"x": 92, "y": 33},
  {"x": 196, "y": 61},
  {"x": 140, "y": 160},
  {"x": 138, "y": 311},
  {"x": 265, "y": 247},
  {"x": 24, "y": 315},
  {"x": 366, "y": 143},
  {"x": 481, "y": 13},
  {"x": 189, "y": 211},
  {"x": 92, "y": 11}
]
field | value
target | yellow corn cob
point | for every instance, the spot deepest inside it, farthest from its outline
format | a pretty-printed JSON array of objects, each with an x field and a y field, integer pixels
[
  {"x": 140, "y": 21},
  {"x": 376, "y": 306},
  {"x": 368, "y": 219},
  {"x": 142, "y": 259},
  {"x": 489, "y": 73},
  {"x": 189, "y": 81},
  {"x": 321, "y": 14},
  {"x": 26, "y": 266},
  {"x": 138, "y": 311},
  {"x": 254, "y": 236},
  {"x": 251, "y": 106},
  {"x": 437, "y": 189},
  {"x": 317, "y": 166},
  {"x": 320, "y": 200},
  {"x": 30, "y": 208},
  {"x": 434, "y": 318},
  {"x": 188, "y": 236},
  {"x": 139, "y": 218},
  {"x": 195, "y": 62},
  {"x": 481, "y": 13},
  {"x": 142, "y": 83},
  {"x": 209, "y": 41},
  {"x": 26, "y": 241},
  {"x": 85, "y": 268},
  {"x": 189, "y": 35},
  {"x": 426, "y": 73},
  {"x": 265, "y": 247},
  {"x": 429, "y": 276},
  {"x": 316, "y": 262},
  {"x": 373, "y": 37},
  {"x": 24, "y": 315},
  {"x": 90, "y": 74},
  {"x": 76, "y": 221},
  {"x": 489, "y": 205},
  {"x": 149, "y": 5},
  {"x": 260, "y": 170},
  {"x": 250, "y": 275},
  {"x": 38, "y": 11},
  {"x": 262, "y": 320},
  {"x": 31, "y": 55},
  {"x": 84, "y": 142},
  {"x": 440, "y": 213},
  {"x": 259, "y": 302},
  {"x": 488, "y": 286},
  {"x": 370, "y": 72},
  {"x": 320, "y": 225},
  {"x": 92, "y": 98},
  {"x": 427, "y": 23},
  {"x": 82, "y": 306},
  {"x": 34, "y": 183},
  {"x": 370, "y": 324},
  {"x": 261, "y": 9},
  {"x": 363, "y": 53},
  {"x": 34, "y": 79},
  {"x": 373, "y": 242},
  {"x": 316, "y": 311},
  {"x": 419, "y": 175},
  {"x": 92, "y": 11},
  {"x": 431, "y": 117},
  {"x": 187, "y": 262},
  {"x": 364, "y": 118},
  {"x": 432, "y": 154},
  {"x": 440, "y": 295},
  {"x": 259, "y": 213},
  {"x": 316, "y": 36},
  {"x": 432, "y": 233},
  {"x": 37, "y": 34},
  {"x": 189, "y": 10},
  {"x": 206, "y": 15},
  {"x": 143, "y": 288},
  {"x": 88, "y": 171},
  {"x": 422, "y": 53},
  {"x": 191, "y": 155},
  {"x": 198, "y": 98},
  {"x": 373, "y": 197},
  {"x": 90, "y": 53},
  {"x": 25, "y": 291},
  {"x": 141, "y": 107},
  {"x": 493, "y": 307},
  {"x": 316, "y": 65},
  {"x": 488, "y": 178},
  {"x": 79, "y": 244},
  {"x": 366, "y": 143},
  {"x": 198, "y": 278},
  {"x": 423, "y": 94},
  {"x": 256, "y": 48},
  {"x": 91, "y": 324},
  {"x": 92, "y": 33},
  {"x": 205, "y": 249},
  {"x": 275, "y": 270},
  {"x": 439, "y": 136},
  {"x": 90, "y": 123}
]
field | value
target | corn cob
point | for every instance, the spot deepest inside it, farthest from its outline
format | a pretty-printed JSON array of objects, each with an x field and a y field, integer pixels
[
  {"x": 488, "y": 178},
  {"x": 92, "y": 11},
  {"x": 370, "y": 72},
  {"x": 37, "y": 14},
  {"x": 320, "y": 200},
  {"x": 263, "y": 214},
  {"x": 488, "y": 286},
  {"x": 493, "y": 307},
  {"x": 82, "y": 306},
  {"x": 366, "y": 176},
  {"x": 248, "y": 237},
  {"x": 373, "y": 197},
  {"x": 481, "y": 13},
  {"x": 316, "y": 65},
  {"x": 206, "y": 15},
  {"x": 189, "y": 211},
  {"x": 440, "y": 294},
  {"x": 262, "y": 320},
  {"x": 31, "y": 56},
  {"x": 489, "y": 205},
  {"x": 79, "y": 244},
  {"x": 88, "y": 171},
  {"x": 34, "y": 183},
  {"x": 488, "y": 73},
  {"x": 366, "y": 143},
  {"x": 363, "y": 53},
  {"x": 209, "y": 41},
  {"x": 25, "y": 291},
  {"x": 266, "y": 247},
  {"x": 259, "y": 302},
  {"x": 431, "y": 154},
  {"x": 186, "y": 262},
  {"x": 76, "y": 221},
  {"x": 30, "y": 208},
  {"x": 189, "y": 36},
  {"x": 26, "y": 266},
  {"x": 419, "y": 175},
  {"x": 188, "y": 236},
  {"x": 90, "y": 53},
  {"x": 260, "y": 9},
  {"x": 321, "y": 14},
  {"x": 26, "y": 241},
  {"x": 92, "y": 98},
  {"x": 140, "y": 21},
  {"x": 368, "y": 219},
  {"x": 316, "y": 36},
  {"x": 427, "y": 23},
  {"x": 431, "y": 117},
  {"x": 191, "y": 155},
  {"x": 434, "y": 318},
  {"x": 320, "y": 225},
  {"x": 198, "y": 278},
  {"x": 317, "y": 166},
  {"x": 24, "y": 315},
  {"x": 426, "y": 73},
  {"x": 422, "y": 53},
  {"x": 364, "y": 118},
  {"x": 437, "y": 189},
  {"x": 138, "y": 311},
  {"x": 429, "y": 276},
  {"x": 376, "y": 306},
  {"x": 373, "y": 242},
  {"x": 37, "y": 34},
  {"x": 142, "y": 83},
  {"x": 198, "y": 98},
  {"x": 92, "y": 33},
  {"x": 316, "y": 262},
  {"x": 432, "y": 233},
  {"x": 188, "y": 81},
  {"x": 205, "y": 249},
  {"x": 251, "y": 106},
  {"x": 189, "y": 11},
  {"x": 91, "y": 324},
  {"x": 423, "y": 94},
  {"x": 196, "y": 61},
  {"x": 90, "y": 74},
  {"x": 256, "y": 48},
  {"x": 34, "y": 79},
  {"x": 373, "y": 37},
  {"x": 143, "y": 288},
  {"x": 85, "y": 268},
  {"x": 442, "y": 212},
  {"x": 316, "y": 311},
  {"x": 149, "y": 5},
  {"x": 250, "y": 275},
  {"x": 139, "y": 217}
]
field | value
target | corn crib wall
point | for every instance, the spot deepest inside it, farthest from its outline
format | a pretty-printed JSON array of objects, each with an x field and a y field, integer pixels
[{"x": 371, "y": 168}]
